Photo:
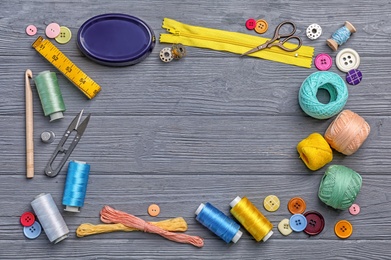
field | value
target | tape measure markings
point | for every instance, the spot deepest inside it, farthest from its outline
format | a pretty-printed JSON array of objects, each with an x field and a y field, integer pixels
[{"x": 59, "y": 60}]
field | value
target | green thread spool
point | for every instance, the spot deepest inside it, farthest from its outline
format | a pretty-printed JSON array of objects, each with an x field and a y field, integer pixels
[
  {"x": 339, "y": 187},
  {"x": 50, "y": 95}
]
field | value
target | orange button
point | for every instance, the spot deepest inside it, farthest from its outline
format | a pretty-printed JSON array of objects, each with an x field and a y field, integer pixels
[
  {"x": 153, "y": 210},
  {"x": 296, "y": 205},
  {"x": 261, "y": 26},
  {"x": 343, "y": 229}
]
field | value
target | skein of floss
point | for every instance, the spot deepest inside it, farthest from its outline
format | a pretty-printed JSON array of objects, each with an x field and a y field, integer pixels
[
  {"x": 339, "y": 187},
  {"x": 341, "y": 36},
  {"x": 50, "y": 95},
  {"x": 315, "y": 151},
  {"x": 251, "y": 219},
  {"x": 75, "y": 186},
  {"x": 217, "y": 222},
  {"x": 347, "y": 132},
  {"x": 50, "y": 218}
]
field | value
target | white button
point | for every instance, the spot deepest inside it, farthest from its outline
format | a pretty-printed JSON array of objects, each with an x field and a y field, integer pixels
[
  {"x": 284, "y": 227},
  {"x": 347, "y": 59}
]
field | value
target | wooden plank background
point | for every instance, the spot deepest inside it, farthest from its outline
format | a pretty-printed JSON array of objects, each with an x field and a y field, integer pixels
[{"x": 207, "y": 128}]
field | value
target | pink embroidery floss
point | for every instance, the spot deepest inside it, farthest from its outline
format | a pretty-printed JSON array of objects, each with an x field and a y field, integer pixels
[
  {"x": 347, "y": 132},
  {"x": 111, "y": 215}
]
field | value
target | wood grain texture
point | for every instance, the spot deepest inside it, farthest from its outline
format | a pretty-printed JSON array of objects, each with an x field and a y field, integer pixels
[{"x": 207, "y": 128}]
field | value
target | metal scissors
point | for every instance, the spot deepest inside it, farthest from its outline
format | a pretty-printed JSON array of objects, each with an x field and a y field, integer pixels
[
  {"x": 277, "y": 36},
  {"x": 79, "y": 128}
]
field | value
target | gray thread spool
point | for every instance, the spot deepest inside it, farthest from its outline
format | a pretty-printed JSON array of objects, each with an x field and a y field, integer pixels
[{"x": 50, "y": 218}]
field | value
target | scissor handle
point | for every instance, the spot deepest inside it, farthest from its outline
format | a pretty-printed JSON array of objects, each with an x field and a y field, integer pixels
[
  {"x": 280, "y": 44},
  {"x": 277, "y": 34}
]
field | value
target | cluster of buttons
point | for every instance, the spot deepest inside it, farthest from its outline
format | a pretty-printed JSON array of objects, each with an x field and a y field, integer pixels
[
  {"x": 31, "y": 228},
  {"x": 61, "y": 34},
  {"x": 259, "y": 26}
]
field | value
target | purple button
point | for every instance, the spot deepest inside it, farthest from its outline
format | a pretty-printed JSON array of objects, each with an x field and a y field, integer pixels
[
  {"x": 323, "y": 61},
  {"x": 354, "y": 76}
]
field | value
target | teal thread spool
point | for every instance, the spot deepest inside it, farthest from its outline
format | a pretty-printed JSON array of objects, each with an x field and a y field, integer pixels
[
  {"x": 341, "y": 36},
  {"x": 339, "y": 187},
  {"x": 50, "y": 95},
  {"x": 332, "y": 83}
]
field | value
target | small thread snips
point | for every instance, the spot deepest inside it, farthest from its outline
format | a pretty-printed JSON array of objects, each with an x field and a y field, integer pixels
[{"x": 77, "y": 126}]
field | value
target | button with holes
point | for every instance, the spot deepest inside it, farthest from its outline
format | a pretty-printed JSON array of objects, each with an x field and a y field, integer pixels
[
  {"x": 251, "y": 23},
  {"x": 153, "y": 210},
  {"x": 27, "y": 219},
  {"x": 261, "y": 26},
  {"x": 343, "y": 229},
  {"x": 353, "y": 77},
  {"x": 271, "y": 203},
  {"x": 298, "y": 222},
  {"x": 31, "y": 30},
  {"x": 354, "y": 209},
  {"x": 64, "y": 36},
  {"x": 314, "y": 31},
  {"x": 296, "y": 205},
  {"x": 323, "y": 61},
  {"x": 347, "y": 59},
  {"x": 32, "y": 231},
  {"x": 52, "y": 30},
  {"x": 284, "y": 227},
  {"x": 315, "y": 223}
]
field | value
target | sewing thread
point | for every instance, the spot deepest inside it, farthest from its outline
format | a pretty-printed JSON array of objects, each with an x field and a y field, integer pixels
[
  {"x": 251, "y": 219},
  {"x": 333, "y": 84},
  {"x": 217, "y": 222},
  {"x": 339, "y": 187},
  {"x": 50, "y": 95},
  {"x": 50, "y": 218},
  {"x": 341, "y": 36},
  {"x": 75, "y": 186},
  {"x": 315, "y": 151},
  {"x": 347, "y": 132}
]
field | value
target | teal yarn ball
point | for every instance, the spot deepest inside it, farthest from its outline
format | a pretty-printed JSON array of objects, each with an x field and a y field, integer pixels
[
  {"x": 339, "y": 187},
  {"x": 329, "y": 81}
]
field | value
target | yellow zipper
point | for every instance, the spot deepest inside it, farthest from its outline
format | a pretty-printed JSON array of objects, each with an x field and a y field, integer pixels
[{"x": 234, "y": 42}]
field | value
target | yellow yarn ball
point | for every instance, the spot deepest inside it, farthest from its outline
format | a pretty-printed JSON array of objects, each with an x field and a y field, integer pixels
[{"x": 315, "y": 151}]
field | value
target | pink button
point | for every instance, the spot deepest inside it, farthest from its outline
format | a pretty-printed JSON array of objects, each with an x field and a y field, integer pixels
[
  {"x": 251, "y": 23},
  {"x": 323, "y": 61},
  {"x": 354, "y": 209},
  {"x": 31, "y": 30},
  {"x": 52, "y": 30}
]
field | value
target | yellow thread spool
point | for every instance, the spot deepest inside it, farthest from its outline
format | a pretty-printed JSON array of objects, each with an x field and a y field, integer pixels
[{"x": 251, "y": 219}]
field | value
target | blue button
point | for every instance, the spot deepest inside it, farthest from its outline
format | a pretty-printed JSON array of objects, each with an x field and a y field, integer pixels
[
  {"x": 33, "y": 231},
  {"x": 298, "y": 222}
]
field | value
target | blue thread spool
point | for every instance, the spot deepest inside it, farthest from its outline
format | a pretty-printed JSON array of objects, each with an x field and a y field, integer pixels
[
  {"x": 217, "y": 222},
  {"x": 341, "y": 36},
  {"x": 75, "y": 186}
]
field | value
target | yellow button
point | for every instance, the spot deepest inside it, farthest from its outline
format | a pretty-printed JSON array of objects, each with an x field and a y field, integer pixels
[
  {"x": 64, "y": 36},
  {"x": 271, "y": 203},
  {"x": 261, "y": 26},
  {"x": 343, "y": 229},
  {"x": 284, "y": 227},
  {"x": 153, "y": 210}
]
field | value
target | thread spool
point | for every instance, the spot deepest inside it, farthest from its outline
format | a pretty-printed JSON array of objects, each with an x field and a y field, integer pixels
[
  {"x": 50, "y": 218},
  {"x": 75, "y": 186},
  {"x": 217, "y": 222},
  {"x": 347, "y": 132},
  {"x": 251, "y": 219},
  {"x": 341, "y": 36},
  {"x": 333, "y": 84},
  {"x": 50, "y": 95},
  {"x": 339, "y": 187},
  {"x": 315, "y": 151}
]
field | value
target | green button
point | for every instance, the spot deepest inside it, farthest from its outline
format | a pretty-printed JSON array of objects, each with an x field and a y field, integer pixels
[{"x": 64, "y": 36}]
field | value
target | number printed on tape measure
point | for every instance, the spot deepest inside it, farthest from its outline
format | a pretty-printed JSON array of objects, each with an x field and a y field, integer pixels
[{"x": 58, "y": 59}]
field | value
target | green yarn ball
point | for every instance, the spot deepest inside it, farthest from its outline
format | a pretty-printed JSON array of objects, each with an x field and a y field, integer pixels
[{"x": 339, "y": 187}]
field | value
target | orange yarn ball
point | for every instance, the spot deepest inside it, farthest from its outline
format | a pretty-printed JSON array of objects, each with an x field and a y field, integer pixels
[{"x": 347, "y": 132}]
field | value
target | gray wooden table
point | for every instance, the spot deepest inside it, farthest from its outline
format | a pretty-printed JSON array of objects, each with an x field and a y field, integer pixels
[{"x": 207, "y": 128}]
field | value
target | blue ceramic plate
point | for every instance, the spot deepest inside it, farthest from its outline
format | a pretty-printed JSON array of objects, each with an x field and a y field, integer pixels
[{"x": 116, "y": 39}]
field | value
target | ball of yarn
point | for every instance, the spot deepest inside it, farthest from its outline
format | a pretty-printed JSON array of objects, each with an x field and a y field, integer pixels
[
  {"x": 329, "y": 81},
  {"x": 339, "y": 187},
  {"x": 347, "y": 132},
  {"x": 315, "y": 151}
]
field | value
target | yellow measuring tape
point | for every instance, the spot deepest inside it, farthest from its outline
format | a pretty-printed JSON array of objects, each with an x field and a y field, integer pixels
[{"x": 58, "y": 59}]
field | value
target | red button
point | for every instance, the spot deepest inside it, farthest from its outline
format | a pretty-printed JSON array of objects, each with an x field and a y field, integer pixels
[
  {"x": 323, "y": 61},
  {"x": 251, "y": 23},
  {"x": 27, "y": 219},
  {"x": 315, "y": 223}
]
